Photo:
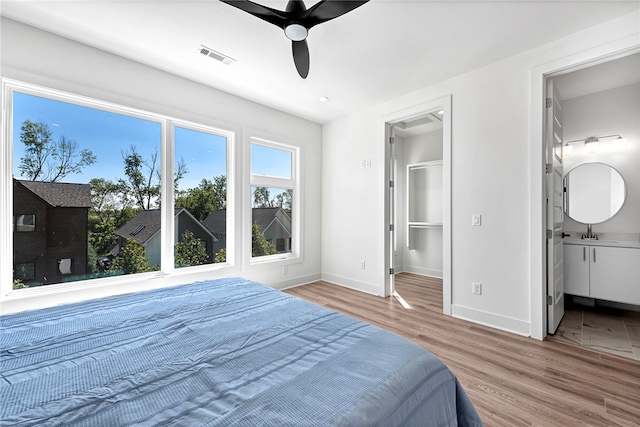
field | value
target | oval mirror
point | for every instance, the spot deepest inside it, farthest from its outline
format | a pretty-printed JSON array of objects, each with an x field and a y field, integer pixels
[{"x": 595, "y": 192}]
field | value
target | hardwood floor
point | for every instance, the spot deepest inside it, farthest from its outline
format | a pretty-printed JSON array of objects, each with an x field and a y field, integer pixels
[{"x": 512, "y": 380}]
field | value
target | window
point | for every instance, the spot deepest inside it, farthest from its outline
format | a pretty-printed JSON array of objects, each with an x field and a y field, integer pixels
[
  {"x": 201, "y": 190},
  {"x": 275, "y": 213},
  {"x": 25, "y": 271},
  {"x": 25, "y": 222},
  {"x": 96, "y": 172}
]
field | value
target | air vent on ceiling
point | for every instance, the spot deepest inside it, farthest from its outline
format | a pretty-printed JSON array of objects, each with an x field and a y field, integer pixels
[{"x": 216, "y": 55}]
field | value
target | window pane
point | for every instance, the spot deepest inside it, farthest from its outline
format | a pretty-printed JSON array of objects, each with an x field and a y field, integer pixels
[
  {"x": 86, "y": 176},
  {"x": 201, "y": 198},
  {"x": 25, "y": 223},
  {"x": 268, "y": 161},
  {"x": 271, "y": 221},
  {"x": 25, "y": 271}
]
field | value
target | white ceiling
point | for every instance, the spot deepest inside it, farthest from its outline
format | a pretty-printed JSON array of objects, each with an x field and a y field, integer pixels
[
  {"x": 379, "y": 51},
  {"x": 597, "y": 78}
]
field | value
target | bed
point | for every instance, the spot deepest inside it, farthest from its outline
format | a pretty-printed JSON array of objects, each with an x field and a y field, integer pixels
[{"x": 225, "y": 352}]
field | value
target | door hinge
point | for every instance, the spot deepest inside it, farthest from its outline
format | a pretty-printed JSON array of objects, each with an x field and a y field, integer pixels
[
  {"x": 549, "y": 234},
  {"x": 549, "y": 300},
  {"x": 391, "y": 184},
  {"x": 392, "y": 271},
  {"x": 548, "y": 168},
  {"x": 548, "y": 103},
  {"x": 392, "y": 140},
  {"x": 391, "y": 227}
]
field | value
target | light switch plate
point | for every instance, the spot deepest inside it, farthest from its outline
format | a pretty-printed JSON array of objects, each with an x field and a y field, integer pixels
[{"x": 476, "y": 220}]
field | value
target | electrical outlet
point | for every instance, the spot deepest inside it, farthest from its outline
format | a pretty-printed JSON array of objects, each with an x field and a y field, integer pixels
[
  {"x": 362, "y": 265},
  {"x": 285, "y": 269},
  {"x": 476, "y": 288}
]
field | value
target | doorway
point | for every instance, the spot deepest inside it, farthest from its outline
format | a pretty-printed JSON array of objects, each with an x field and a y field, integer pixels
[
  {"x": 417, "y": 185},
  {"x": 578, "y": 74}
]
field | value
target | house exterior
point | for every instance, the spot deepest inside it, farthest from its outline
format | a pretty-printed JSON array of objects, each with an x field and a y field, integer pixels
[
  {"x": 50, "y": 228},
  {"x": 144, "y": 228},
  {"x": 275, "y": 224},
  {"x": 216, "y": 223}
]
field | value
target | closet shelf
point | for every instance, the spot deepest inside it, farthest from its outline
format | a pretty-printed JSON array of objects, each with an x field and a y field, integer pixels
[{"x": 424, "y": 224}]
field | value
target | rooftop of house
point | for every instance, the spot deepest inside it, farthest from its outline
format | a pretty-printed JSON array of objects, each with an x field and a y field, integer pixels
[{"x": 60, "y": 194}]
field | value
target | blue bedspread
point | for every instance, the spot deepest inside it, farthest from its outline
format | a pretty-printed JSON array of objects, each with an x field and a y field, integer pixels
[{"x": 225, "y": 352}]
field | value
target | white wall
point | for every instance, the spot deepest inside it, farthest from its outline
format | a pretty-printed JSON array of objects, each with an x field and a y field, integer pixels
[
  {"x": 615, "y": 111},
  {"x": 491, "y": 160},
  {"x": 41, "y": 58}
]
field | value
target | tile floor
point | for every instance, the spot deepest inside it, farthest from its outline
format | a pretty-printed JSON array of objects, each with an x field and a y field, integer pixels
[{"x": 602, "y": 329}]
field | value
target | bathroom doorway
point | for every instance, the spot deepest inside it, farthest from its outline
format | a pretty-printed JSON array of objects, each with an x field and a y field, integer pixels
[
  {"x": 596, "y": 85},
  {"x": 418, "y": 195}
]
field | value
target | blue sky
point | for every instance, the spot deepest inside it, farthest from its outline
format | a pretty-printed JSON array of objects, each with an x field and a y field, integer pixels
[{"x": 108, "y": 135}]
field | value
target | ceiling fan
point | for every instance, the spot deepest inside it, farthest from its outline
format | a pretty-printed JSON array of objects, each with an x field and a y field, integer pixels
[{"x": 296, "y": 21}]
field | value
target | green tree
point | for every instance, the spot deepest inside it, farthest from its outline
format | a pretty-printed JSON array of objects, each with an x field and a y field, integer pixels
[
  {"x": 131, "y": 259},
  {"x": 143, "y": 177},
  {"x": 189, "y": 251},
  {"x": 283, "y": 200},
  {"x": 18, "y": 284},
  {"x": 208, "y": 196},
  {"x": 143, "y": 180},
  {"x": 92, "y": 259},
  {"x": 109, "y": 211},
  {"x": 221, "y": 256},
  {"x": 259, "y": 245},
  {"x": 261, "y": 198},
  {"x": 49, "y": 160}
]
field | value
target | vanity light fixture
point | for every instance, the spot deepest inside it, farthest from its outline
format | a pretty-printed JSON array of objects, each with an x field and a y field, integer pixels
[
  {"x": 592, "y": 143},
  {"x": 567, "y": 150},
  {"x": 619, "y": 143}
]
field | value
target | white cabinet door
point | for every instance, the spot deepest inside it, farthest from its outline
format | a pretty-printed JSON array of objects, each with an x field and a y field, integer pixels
[
  {"x": 576, "y": 270},
  {"x": 615, "y": 273}
]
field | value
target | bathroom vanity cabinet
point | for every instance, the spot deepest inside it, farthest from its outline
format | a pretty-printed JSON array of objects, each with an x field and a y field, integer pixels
[{"x": 602, "y": 271}]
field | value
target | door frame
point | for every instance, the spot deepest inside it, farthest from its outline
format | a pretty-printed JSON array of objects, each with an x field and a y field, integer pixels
[
  {"x": 538, "y": 225},
  {"x": 443, "y": 103}
]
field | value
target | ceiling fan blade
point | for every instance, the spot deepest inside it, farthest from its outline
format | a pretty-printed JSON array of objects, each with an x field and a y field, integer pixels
[
  {"x": 329, "y": 9},
  {"x": 301, "y": 57},
  {"x": 273, "y": 16}
]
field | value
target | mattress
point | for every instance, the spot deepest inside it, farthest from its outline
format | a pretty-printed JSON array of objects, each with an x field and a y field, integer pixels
[{"x": 226, "y": 352}]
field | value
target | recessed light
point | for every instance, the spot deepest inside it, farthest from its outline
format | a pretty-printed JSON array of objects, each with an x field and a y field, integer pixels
[
  {"x": 441, "y": 112},
  {"x": 324, "y": 98}
]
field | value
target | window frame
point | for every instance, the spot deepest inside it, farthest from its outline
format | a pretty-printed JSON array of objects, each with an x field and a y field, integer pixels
[
  {"x": 167, "y": 143},
  {"x": 231, "y": 205},
  {"x": 18, "y": 223},
  {"x": 294, "y": 183}
]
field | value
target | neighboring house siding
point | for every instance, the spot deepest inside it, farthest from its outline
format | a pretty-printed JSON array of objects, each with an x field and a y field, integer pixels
[
  {"x": 30, "y": 246},
  {"x": 67, "y": 238},
  {"x": 146, "y": 231},
  {"x": 184, "y": 222},
  {"x": 60, "y": 233},
  {"x": 152, "y": 249}
]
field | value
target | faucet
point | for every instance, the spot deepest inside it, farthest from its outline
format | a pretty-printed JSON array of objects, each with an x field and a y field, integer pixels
[{"x": 590, "y": 234}]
